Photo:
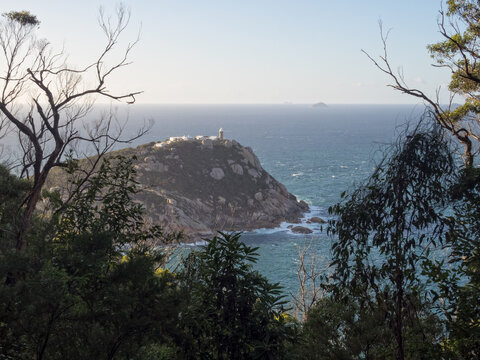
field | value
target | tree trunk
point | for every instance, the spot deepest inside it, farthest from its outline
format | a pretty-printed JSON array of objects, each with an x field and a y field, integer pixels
[
  {"x": 27, "y": 215},
  {"x": 399, "y": 319}
]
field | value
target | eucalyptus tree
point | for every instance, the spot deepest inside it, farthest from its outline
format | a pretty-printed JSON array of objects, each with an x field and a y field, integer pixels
[
  {"x": 43, "y": 100},
  {"x": 383, "y": 229},
  {"x": 230, "y": 310},
  {"x": 90, "y": 284},
  {"x": 458, "y": 51}
]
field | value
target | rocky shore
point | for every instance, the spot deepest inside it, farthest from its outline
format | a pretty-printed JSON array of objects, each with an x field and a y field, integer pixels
[{"x": 199, "y": 186}]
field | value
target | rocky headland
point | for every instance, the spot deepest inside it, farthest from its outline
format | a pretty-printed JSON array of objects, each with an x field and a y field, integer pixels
[{"x": 202, "y": 185}]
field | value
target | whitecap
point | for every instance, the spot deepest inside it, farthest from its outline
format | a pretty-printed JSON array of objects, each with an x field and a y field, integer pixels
[
  {"x": 283, "y": 227},
  {"x": 196, "y": 243}
]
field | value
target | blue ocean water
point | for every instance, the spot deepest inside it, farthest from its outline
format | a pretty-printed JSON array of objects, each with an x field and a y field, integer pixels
[{"x": 317, "y": 153}]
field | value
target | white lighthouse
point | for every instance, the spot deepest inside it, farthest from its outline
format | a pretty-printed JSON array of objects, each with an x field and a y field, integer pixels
[{"x": 220, "y": 134}]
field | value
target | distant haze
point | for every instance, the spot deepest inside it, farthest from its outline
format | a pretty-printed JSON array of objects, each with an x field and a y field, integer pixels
[{"x": 254, "y": 52}]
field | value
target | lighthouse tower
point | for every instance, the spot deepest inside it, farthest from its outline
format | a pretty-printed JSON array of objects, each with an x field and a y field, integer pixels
[{"x": 220, "y": 134}]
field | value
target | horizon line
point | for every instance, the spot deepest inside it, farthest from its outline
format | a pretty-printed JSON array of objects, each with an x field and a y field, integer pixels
[{"x": 279, "y": 104}]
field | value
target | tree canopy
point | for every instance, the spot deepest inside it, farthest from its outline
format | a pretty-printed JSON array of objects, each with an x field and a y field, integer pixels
[
  {"x": 459, "y": 52},
  {"x": 44, "y": 100},
  {"x": 23, "y": 17}
]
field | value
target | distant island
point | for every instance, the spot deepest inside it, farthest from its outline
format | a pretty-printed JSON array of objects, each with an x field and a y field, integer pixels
[
  {"x": 320, "y": 105},
  {"x": 203, "y": 184}
]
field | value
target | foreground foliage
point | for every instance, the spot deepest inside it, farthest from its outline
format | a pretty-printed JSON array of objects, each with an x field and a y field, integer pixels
[
  {"x": 231, "y": 312},
  {"x": 89, "y": 286},
  {"x": 385, "y": 226},
  {"x": 405, "y": 282}
]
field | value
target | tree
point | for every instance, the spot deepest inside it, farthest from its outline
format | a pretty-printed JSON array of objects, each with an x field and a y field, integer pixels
[
  {"x": 383, "y": 227},
  {"x": 460, "y": 52},
  {"x": 231, "y": 311},
  {"x": 90, "y": 286},
  {"x": 310, "y": 279},
  {"x": 12, "y": 192},
  {"x": 22, "y": 17},
  {"x": 343, "y": 330},
  {"x": 455, "y": 277},
  {"x": 57, "y": 100}
]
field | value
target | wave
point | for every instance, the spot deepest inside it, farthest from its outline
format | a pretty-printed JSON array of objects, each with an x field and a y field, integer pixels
[
  {"x": 285, "y": 227},
  {"x": 195, "y": 243}
]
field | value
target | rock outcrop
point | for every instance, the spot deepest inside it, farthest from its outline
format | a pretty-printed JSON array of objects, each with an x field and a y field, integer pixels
[
  {"x": 301, "y": 230},
  {"x": 316, "y": 220},
  {"x": 199, "y": 186}
]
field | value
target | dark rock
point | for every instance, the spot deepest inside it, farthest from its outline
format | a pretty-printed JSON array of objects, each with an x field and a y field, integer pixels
[
  {"x": 316, "y": 220},
  {"x": 301, "y": 230},
  {"x": 303, "y": 205}
]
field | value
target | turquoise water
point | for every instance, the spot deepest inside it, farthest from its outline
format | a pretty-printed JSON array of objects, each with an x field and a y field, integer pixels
[{"x": 315, "y": 153}]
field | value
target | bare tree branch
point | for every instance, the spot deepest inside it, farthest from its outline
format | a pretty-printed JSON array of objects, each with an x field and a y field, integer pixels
[
  {"x": 442, "y": 115},
  {"x": 59, "y": 101}
]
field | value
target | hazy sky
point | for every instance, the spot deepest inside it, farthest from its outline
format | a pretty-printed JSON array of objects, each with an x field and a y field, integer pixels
[{"x": 254, "y": 51}]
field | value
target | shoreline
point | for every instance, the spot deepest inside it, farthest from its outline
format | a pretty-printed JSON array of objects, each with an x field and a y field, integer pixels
[{"x": 283, "y": 227}]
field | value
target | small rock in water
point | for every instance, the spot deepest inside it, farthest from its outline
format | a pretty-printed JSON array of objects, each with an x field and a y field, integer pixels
[
  {"x": 301, "y": 230},
  {"x": 316, "y": 220}
]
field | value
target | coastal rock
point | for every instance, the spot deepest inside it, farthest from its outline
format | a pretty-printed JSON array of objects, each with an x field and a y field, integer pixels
[
  {"x": 303, "y": 205},
  {"x": 237, "y": 169},
  {"x": 316, "y": 220},
  {"x": 200, "y": 186},
  {"x": 253, "y": 173},
  {"x": 250, "y": 158},
  {"x": 301, "y": 230},
  {"x": 217, "y": 174}
]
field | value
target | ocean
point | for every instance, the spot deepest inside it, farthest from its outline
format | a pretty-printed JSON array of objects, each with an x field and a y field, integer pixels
[{"x": 317, "y": 153}]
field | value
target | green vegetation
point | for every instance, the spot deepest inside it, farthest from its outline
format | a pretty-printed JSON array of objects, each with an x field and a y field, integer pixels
[
  {"x": 384, "y": 229},
  {"x": 86, "y": 282},
  {"x": 89, "y": 286},
  {"x": 232, "y": 312},
  {"x": 458, "y": 52},
  {"x": 24, "y": 18},
  {"x": 405, "y": 283},
  {"x": 86, "y": 287}
]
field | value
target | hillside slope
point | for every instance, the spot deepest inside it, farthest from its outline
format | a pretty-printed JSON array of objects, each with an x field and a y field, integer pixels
[{"x": 201, "y": 186}]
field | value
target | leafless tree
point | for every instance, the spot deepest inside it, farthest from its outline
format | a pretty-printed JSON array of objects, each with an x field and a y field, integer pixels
[
  {"x": 309, "y": 280},
  {"x": 45, "y": 101},
  {"x": 460, "y": 122}
]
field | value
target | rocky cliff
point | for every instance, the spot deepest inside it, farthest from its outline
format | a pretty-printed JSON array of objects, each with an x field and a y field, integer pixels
[{"x": 199, "y": 186}]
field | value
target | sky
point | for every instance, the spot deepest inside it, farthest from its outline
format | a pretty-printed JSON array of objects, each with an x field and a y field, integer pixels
[{"x": 253, "y": 51}]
